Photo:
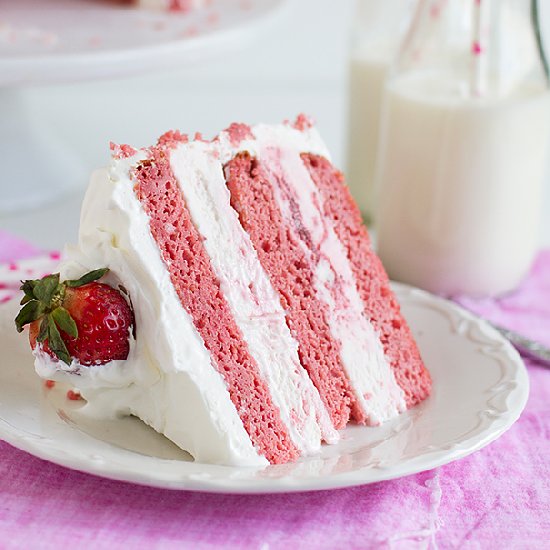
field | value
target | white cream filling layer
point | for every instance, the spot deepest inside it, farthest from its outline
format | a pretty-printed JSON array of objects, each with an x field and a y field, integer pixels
[
  {"x": 168, "y": 353},
  {"x": 362, "y": 354},
  {"x": 254, "y": 303}
]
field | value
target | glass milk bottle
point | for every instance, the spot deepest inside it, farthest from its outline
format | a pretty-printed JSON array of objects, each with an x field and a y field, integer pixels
[
  {"x": 464, "y": 147},
  {"x": 378, "y": 29}
]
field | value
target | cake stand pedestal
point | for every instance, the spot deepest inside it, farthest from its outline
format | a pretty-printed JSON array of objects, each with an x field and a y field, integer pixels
[{"x": 62, "y": 41}]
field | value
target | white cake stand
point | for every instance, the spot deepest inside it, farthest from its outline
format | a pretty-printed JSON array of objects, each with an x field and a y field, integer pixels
[{"x": 56, "y": 41}]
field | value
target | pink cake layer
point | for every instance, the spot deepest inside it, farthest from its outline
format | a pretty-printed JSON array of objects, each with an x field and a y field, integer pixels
[
  {"x": 199, "y": 291},
  {"x": 281, "y": 256},
  {"x": 381, "y": 306}
]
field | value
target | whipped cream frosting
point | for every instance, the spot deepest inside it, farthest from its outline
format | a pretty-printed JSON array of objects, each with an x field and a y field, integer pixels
[{"x": 168, "y": 379}]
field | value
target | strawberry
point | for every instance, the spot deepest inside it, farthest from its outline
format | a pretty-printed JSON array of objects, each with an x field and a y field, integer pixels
[{"x": 80, "y": 319}]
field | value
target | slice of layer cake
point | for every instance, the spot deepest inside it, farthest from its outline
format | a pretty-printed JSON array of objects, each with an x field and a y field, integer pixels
[{"x": 264, "y": 322}]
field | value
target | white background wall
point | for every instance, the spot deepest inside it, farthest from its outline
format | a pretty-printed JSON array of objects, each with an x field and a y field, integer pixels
[{"x": 301, "y": 68}]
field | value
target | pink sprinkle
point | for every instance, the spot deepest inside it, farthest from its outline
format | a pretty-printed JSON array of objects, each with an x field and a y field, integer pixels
[
  {"x": 198, "y": 137},
  {"x": 303, "y": 122},
  {"x": 121, "y": 151},
  {"x": 49, "y": 384},
  {"x": 74, "y": 395},
  {"x": 238, "y": 132},
  {"x": 171, "y": 138},
  {"x": 55, "y": 255},
  {"x": 476, "y": 48},
  {"x": 13, "y": 267},
  {"x": 3, "y": 285},
  {"x": 5, "y": 299}
]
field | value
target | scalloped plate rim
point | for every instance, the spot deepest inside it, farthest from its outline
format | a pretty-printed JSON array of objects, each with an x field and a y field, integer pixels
[{"x": 429, "y": 460}]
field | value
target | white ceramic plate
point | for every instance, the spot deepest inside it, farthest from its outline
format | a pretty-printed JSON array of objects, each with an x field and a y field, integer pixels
[
  {"x": 480, "y": 387},
  {"x": 65, "y": 40}
]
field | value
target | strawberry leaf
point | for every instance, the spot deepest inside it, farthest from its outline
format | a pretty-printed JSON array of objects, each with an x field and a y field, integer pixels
[
  {"x": 55, "y": 342},
  {"x": 87, "y": 278},
  {"x": 64, "y": 321},
  {"x": 43, "y": 333},
  {"x": 45, "y": 289},
  {"x": 30, "y": 312},
  {"x": 28, "y": 288}
]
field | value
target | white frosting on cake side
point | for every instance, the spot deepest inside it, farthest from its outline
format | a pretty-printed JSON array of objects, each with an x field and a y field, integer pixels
[{"x": 167, "y": 353}]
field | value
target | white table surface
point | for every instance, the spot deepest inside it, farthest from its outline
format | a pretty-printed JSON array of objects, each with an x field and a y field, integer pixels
[{"x": 302, "y": 68}]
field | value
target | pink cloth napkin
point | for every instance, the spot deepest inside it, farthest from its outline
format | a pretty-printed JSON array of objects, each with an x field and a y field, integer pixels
[{"x": 498, "y": 497}]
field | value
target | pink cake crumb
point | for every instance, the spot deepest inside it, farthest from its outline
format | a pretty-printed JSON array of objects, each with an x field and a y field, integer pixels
[
  {"x": 121, "y": 151},
  {"x": 74, "y": 395},
  {"x": 238, "y": 132},
  {"x": 199, "y": 291},
  {"x": 303, "y": 122},
  {"x": 172, "y": 138}
]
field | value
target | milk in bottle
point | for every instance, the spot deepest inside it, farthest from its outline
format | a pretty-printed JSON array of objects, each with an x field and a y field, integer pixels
[{"x": 464, "y": 149}]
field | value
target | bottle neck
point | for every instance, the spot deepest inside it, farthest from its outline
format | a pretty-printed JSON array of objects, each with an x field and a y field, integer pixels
[
  {"x": 490, "y": 49},
  {"x": 537, "y": 30}
]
